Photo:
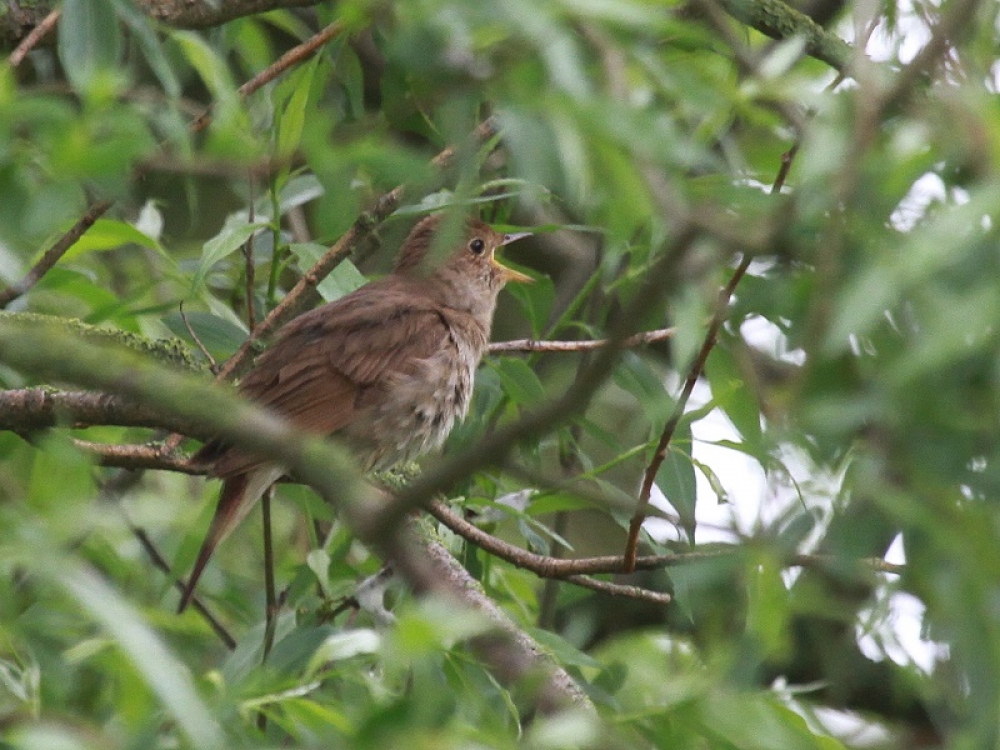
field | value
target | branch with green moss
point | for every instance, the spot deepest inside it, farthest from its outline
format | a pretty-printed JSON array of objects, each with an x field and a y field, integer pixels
[
  {"x": 18, "y": 19},
  {"x": 48, "y": 350},
  {"x": 772, "y": 18},
  {"x": 778, "y": 20},
  {"x": 170, "y": 351}
]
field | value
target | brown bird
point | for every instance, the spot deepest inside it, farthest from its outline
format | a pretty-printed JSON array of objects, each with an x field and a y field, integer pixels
[{"x": 388, "y": 368}]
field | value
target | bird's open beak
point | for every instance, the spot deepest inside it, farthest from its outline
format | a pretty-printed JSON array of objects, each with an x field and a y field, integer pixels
[
  {"x": 508, "y": 238},
  {"x": 509, "y": 274}
]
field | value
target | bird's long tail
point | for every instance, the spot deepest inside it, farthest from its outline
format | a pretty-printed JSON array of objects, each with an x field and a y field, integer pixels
[{"x": 238, "y": 496}]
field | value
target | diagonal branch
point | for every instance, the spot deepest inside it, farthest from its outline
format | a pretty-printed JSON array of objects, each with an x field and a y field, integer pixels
[
  {"x": 663, "y": 445},
  {"x": 52, "y": 256},
  {"x": 48, "y": 352},
  {"x": 34, "y": 37},
  {"x": 711, "y": 336}
]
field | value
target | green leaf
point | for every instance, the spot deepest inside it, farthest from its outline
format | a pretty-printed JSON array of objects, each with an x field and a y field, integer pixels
[
  {"x": 536, "y": 302},
  {"x": 554, "y": 502},
  {"x": 731, "y": 394},
  {"x": 344, "y": 645},
  {"x": 89, "y": 42},
  {"x": 219, "y": 336},
  {"x": 767, "y": 606},
  {"x": 109, "y": 234},
  {"x": 210, "y": 66},
  {"x": 676, "y": 478},
  {"x": 755, "y": 722},
  {"x": 298, "y": 191},
  {"x": 343, "y": 279},
  {"x": 142, "y": 29},
  {"x": 636, "y": 375},
  {"x": 168, "y": 678},
  {"x": 567, "y": 654},
  {"x": 294, "y": 115},
  {"x": 61, "y": 477},
  {"x": 236, "y": 231},
  {"x": 713, "y": 480},
  {"x": 519, "y": 382}
]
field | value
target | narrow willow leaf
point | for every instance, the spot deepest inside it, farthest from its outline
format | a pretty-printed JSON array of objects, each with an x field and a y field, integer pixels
[
  {"x": 90, "y": 40},
  {"x": 164, "y": 674}
]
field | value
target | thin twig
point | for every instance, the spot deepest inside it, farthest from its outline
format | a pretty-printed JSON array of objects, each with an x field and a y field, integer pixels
[
  {"x": 546, "y": 566},
  {"x": 711, "y": 336},
  {"x": 248, "y": 258},
  {"x": 621, "y": 589},
  {"x": 535, "y": 345},
  {"x": 212, "y": 364},
  {"x": 271, "y": 600},
  {"x": 158, "y": 560},
  {"x": 149, "y": 456},
  {"x": 270, "y": 605},
  {"x": 663, "y": 445},
  {"x": 293, "y": 57},
  {"x": 33, "y": 38},
  {"x": 54, "y": 253}
]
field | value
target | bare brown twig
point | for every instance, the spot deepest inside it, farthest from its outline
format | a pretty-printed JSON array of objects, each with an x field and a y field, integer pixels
[
  {"x": 213, "y": 366},
  {"x": 694, "y": 372},
  {"x": 291, "y": 58},
  {"x": 543, "y": 566},
  {"x": 34, "y": 37},
  {"x": 535, "y": 345},
  {"x": 546, "y": 566},
  {"x": 149, "y": 456},
  {"x": 158, "y": 560},
  {"x": 54, "y": 253}
]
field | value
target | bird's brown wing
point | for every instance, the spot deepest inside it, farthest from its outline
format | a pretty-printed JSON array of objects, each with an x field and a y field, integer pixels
[
  {"x": 316, "y": 375},
  {"x": 324, "y": 361}
]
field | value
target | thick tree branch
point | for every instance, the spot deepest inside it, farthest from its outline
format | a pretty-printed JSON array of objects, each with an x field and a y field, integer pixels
[
  {"x": 779, "y": 20},
  {"x": 21, "y": 18},
  {"x": 49, "y": 352},
  {"x": 30, "y": 409},
  {"x": 773, "y": 18}
]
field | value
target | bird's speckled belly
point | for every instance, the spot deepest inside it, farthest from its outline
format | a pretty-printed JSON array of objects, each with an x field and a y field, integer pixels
[{"x": 414, "y": 411}]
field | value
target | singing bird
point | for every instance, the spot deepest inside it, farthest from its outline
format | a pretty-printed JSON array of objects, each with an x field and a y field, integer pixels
[{"x": 387, "y": 369}]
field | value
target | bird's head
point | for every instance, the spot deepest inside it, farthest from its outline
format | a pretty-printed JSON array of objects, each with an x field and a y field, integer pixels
[{"x": 470, "y": 257}]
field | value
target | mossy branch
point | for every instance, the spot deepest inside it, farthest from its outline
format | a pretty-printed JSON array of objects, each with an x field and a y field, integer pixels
[
  {"x": 778, "y": 20},
  {"x": 772, "y": 18},
  {"x": 48, "y": 350},
  {"x": 170, "y": 351}
]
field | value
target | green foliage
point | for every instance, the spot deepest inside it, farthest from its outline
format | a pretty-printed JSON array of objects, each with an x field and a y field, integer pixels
[{"x": 853, "y": 385}]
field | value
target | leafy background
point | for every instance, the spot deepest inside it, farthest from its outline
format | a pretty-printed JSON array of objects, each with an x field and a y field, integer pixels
[{"x": 855, "y": 370}]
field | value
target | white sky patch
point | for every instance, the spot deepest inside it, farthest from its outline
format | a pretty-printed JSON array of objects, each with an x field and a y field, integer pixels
[
  {"x": 892, "y": 627},
  {"x": 899, "y": 43},
  {"x": 896, "y": 625},
  {"x": 929, "y": 188},
  {"x": 767, "y": 337}
]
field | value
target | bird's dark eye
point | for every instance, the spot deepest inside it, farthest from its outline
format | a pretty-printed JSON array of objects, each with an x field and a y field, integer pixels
[{"x": 477, "y": 246}]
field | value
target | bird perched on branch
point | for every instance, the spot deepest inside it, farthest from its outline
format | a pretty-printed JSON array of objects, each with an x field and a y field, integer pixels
[{"x": 388, "y": 368}]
